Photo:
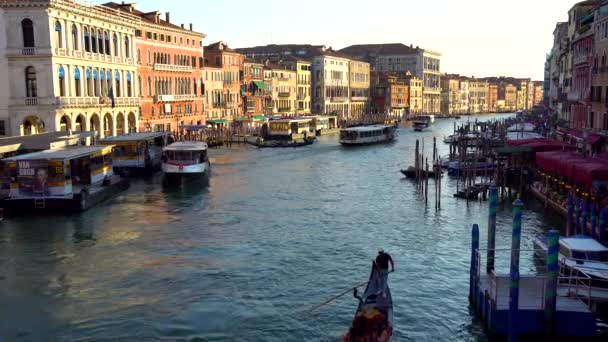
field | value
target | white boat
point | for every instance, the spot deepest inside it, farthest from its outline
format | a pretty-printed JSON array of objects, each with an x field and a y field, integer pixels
[
  {"x": 365, "y": 135},
  {"x": 580, "y": 253},
  {"x": 186, "y": 158}
]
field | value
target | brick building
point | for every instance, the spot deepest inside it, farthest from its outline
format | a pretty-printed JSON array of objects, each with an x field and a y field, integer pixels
[
  {"x": 170, "y": 71},
  {"x": 218, "y": 56},
  {"x": 253, "y": 88}
]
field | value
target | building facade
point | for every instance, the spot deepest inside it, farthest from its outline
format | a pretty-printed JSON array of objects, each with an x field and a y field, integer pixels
[
  {"x": 390, "y": 94},
  {"x": 253, "y": 88},
  {"x": 303, "y": 75},
  {"x": 401, "y": 58},
  {"x": 170, "y": 71},
  {"x": 598, "y": 116},
  {"x": 219, "y": 55},
  {"x": 450, "y": 94},
  {"x": 330, "y": 73},
  {"x": 282, "y": 84},
  {"x": 478, "y": 96},
  {"x": 67, "y": 66},
  {"x": 359, "y": 85},
  {"x": 415, "y": 94},
  {"x": 464, "y": 96},
  {"x": 492, "y": 97},
  {"x": 511, "y": 97}
]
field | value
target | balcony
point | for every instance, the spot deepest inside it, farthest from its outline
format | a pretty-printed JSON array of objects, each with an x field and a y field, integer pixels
[
  {"x": 76, "y": 101},
  {"x": 171, "y": 67},
  {"x": 580, "y": 60},
  {"x": 285, "y": 109},
  {"x": 338, "y": 99},
  {"x": 301, "y": 97},
  {"x": 174, "y": 98},
  {"x": 28, "y": 51},
  {"x": 227, "y": 105},
  {"x": 359, "y": 98},
  {"x": 284, "y": 93},
  {"x": 126, "y": 101}
]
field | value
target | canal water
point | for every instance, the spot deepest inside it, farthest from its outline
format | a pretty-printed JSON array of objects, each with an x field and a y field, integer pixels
[{"x": 276, "y": 232}]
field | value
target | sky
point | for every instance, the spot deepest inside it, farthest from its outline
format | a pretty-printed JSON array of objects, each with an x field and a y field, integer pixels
[{"x": 475, "y": 37}]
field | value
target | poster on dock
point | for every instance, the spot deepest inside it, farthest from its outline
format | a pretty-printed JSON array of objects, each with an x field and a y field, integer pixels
[{"x": 33, "y": 177}]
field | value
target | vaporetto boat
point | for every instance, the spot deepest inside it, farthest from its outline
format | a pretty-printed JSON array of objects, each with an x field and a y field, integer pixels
[
  {"x": 365, "y": 135},
  {"x": 186, "y": 158}
]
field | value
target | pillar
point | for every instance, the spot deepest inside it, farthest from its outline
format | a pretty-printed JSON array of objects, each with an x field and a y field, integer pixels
[
  {"x": 473, "y": 269},
  {"x": 514, "y": 273},
  {"x": 551, "y": 284},
  {"x": 492, "y": 228}
]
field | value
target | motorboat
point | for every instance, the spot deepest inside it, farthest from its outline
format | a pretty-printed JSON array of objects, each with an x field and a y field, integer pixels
[
  {"x": 366, "y": 135},
  {"x": 579, "y": 254},
  {"x": 186, "y": 158}
]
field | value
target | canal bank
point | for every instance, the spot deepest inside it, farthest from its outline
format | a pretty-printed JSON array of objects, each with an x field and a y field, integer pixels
[{"x": 275, "y": 233}]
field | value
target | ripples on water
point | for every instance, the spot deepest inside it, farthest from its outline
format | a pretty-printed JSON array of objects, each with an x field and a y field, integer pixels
[{"x": 274, "y": 233}]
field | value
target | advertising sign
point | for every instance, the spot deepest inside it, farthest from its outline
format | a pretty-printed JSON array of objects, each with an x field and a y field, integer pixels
[{"x": 33, "y": 177}]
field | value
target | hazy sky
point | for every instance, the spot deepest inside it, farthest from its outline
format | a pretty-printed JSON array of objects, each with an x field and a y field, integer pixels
[{"x": 476, "y": 37}]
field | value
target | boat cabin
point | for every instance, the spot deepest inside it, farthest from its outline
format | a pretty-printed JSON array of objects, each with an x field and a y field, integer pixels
[
  {"x": 139, "y": 152},
  {"x": 325, "y": 122},
  {"x": 58, "y": 172},
  {"x": 286, "y": 128},
  {"x": 583, "y": 248},
  {"x": 185, "y": 152}
]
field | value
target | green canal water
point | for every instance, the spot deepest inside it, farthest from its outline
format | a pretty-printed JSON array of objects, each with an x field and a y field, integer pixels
[{"x": 244, "y": 259}]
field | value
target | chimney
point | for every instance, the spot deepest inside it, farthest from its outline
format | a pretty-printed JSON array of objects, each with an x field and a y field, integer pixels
[
  {"x": 411, "y": 46},
  {"x": 190, "y": 26},
  {"x": 167, "y": 17},
  {"x": 182, "y": 25}
]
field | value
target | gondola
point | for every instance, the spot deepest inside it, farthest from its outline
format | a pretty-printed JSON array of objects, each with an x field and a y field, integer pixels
[
  {"x": 410, "y": 172},
  {"x": 374, "y": 317},
  {"x": 267, "y": 144}
]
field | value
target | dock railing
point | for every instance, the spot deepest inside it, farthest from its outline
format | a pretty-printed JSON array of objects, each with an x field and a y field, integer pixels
[{"x": 578, "y": 284}]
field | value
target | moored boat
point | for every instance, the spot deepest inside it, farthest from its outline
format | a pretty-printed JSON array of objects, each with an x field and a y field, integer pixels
[
  {"x": 281, "y": 143},
  {"x": 374, "y": 317},
  {"x": 410, "y": 172},
  {"x": 186, "y": 158},
  {"x": 579, "y": 253},
  {"x": 365, "y": 135}
]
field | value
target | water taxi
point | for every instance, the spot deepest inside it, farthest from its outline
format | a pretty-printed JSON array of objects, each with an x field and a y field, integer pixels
[
  {"x": 579, "y": 254},
  {"x": 72, "y": 178},
  {"x": 374, "y": 317},
  {"x": 186, "y": 158},
  {"x": 365, "y": 135},
  {"x": 137, "y": 153}
]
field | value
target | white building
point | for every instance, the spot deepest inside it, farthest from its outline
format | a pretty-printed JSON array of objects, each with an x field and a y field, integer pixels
[
  {"x": 402, "y": 58},
  {"x": 60, "y": 63},
  {"x": 330, "y": 75}
]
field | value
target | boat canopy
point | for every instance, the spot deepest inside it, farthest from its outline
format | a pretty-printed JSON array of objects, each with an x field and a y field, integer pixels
[
  {"x": 186, "y": 146},
  {"x": 132, "y": 137},
  {"x": 67, "y": 153},
  {"x": 583, "y": 243},
  {"x": 366, "y": 128}
]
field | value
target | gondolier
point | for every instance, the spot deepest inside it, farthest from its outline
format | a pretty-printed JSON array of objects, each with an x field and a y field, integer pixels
[{"x": 382, "y": 261}]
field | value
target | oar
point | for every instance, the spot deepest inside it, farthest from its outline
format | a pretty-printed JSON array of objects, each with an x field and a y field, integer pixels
[{"x": 338, "y": 296}]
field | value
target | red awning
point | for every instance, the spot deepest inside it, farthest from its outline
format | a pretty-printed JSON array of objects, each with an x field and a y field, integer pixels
[
  {"x": 544, "y": 146},
  {"x": 593, "y": 138},
  {"x": 590, "y": 171}
]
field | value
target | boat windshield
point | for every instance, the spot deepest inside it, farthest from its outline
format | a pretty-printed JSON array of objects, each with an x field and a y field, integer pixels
[
  {"x": 597, "y": 256},
  {"x": 190, "y": 156}
]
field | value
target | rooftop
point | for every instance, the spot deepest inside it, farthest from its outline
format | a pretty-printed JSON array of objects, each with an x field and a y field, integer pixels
[
  {"x": 67, "y": 153},
  {"x": 135, "y": 136},
  {"x": 380, "y": 49},
  {"x": 366, "y": 128},
  {"x": 147, "y": 17},
  {"x": 583, "y": 243},
  {"x": 186, "y": 146}
]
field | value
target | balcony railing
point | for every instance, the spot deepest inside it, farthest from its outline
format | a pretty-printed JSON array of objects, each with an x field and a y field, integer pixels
[
  {"x": 28, "y": 51},
  {"x": 78, "y": 101},
  {"x": 301, "y": 97},
  {"x": 171, "y": 67},
  {"x": 31, "y": 101},
  {"x": 338, "y": 99},
  {"x": 284, "y": 94},
  {"x": 174, "y": 98},
  {"x": 227, "y": 105},
  {"x": 284, "y": 109},
  {"x": 359, "y": 98}
]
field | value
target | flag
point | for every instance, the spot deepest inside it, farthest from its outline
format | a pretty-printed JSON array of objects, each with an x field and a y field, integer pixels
[{"x": 111, "y": 95}]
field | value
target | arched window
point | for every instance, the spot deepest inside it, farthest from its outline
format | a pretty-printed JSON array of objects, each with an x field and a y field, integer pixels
[
  {"x": 117, "y": 90},
  {"x": 127, "y": 48},
  {"x": 95, "y": 84},
  {"x": 77, "y": 82},
  {"x": 149, "y": 86},
  {"x": 139, "y": 85},
  {"x": 74, "y": 37},
  {"x": 93, "y": 41},
  {"x": 87, "y": 40},
  {"x": 106, "y": 38},
  {"x": 61, "y": 76},
  {"x": 88, "y": 82},
  {"x": 129, "y": 88},
  {"x": 115, "y": 44},
  {"x": 195, "y": 88},
  {"x": 139, "y": 56},
  {"x": 31, "y": 90},
  {"x": 149, "y": 57},
  {"x": 100, "y": 41},
  {"x": 28, "y": 32},
  {"x": 58, "y": 40}
]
